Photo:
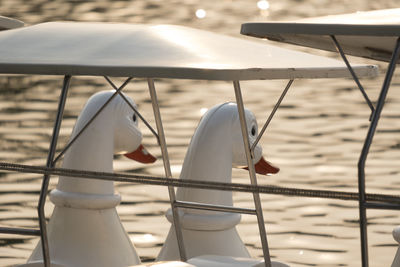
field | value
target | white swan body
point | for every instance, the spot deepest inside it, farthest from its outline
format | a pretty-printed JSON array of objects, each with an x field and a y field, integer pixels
[
  {"x": 215, "y": 148},
  {"x": 85, "y": 229}
]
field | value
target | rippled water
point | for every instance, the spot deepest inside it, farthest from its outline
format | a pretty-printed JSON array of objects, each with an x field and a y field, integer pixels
[{"x": 315, "y": 137}]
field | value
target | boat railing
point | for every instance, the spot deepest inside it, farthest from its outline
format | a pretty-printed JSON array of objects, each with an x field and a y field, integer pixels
[{"x": 371, "y": 200}]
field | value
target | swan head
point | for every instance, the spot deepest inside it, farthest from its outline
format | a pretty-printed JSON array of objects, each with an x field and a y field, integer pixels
[
  {"x": 261, "y": 165},
  {"x": 228, "y": 112},
  {"x": 127, "y": 136},
  {"x": 120, "y": 117}
]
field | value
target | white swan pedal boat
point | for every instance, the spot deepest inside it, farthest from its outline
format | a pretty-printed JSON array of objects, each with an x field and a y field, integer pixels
[{"x": 85, "y": 208}]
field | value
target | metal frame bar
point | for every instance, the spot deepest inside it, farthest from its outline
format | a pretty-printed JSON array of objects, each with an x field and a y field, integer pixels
[
  {"x": 167, "y": 168},
  {"x": 353, "y": 74},
  {"x": 363, "y": 205},
  {"x": 19, "y": 231},
  {"x": 213, "y": 207},
  {"x": 50, "y": 164},
  {"x": 374, "y": 119},
  {"x": 381, "y": 206},
  {"x": 252, "y": 173},
  {"x": 278, "y": 103}
]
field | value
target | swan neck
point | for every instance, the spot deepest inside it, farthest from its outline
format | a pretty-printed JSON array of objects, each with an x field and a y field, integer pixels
[
  {"x": 92, "y": 151},
  {"x": 209, "y": 158}
]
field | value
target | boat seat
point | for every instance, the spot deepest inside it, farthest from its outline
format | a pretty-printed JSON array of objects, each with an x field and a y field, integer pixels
[
  {"x": 39, "y": 264},
  {"x": 213, "y": 261},
  {"x": 226, "y": 261},
  {"x": 165, "y": 264}
]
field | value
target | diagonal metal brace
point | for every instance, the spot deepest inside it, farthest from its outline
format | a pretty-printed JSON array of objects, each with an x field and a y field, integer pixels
[
  {"x": 353, "y": 74},
  {"x": 132, "y": 107},
  {"x": 90, "y": 121},
  {"x": 278, "y": 103}
]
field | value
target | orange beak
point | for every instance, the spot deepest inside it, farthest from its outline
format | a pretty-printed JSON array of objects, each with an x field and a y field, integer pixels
[
  {"x": 141, "y": 155},
  {"x": 264, "y": 167}
]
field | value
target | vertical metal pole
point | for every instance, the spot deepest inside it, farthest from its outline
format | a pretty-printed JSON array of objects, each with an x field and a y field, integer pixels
[
  {"x": 50, "y": 164},
  {"x": 253, "y": 178},
  {"x": 365, "y": 151},
  {"x": 167, "y": 168}
]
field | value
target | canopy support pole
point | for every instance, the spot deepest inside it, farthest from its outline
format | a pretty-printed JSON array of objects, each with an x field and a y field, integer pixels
[
  {"x": 374, "y": 119},
  {"x": 363, "y": 205},
  {"x": 252, "y": 172},
  {"x": 50, "y": 164},
  {"x": 167, "y": 168}
]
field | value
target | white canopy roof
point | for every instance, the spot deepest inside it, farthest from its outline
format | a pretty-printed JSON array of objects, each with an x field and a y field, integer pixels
[
  {"x": 74, "y": 48},
  {"x": 369, "y": 34}
]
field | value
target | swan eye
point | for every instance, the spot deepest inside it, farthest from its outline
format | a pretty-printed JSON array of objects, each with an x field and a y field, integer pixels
[
  {"x": 253, "y": 131},
  {"x": 134, "y": 118}
]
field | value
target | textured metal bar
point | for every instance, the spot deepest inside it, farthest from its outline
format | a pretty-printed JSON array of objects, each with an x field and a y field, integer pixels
[
  {"x": 220, "y": 208},
  {"x": 253, "y": 178},
  {"x": 365, "y": 151},
  {"x": 272, "y": 114},
  {"x": 49, "y": 164},
  {"x": 353, "y": 74},
  {"x": 167, "y": 168},
  {"x": 187, "y": 183},
  {"x": 19, "y": 231}
]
